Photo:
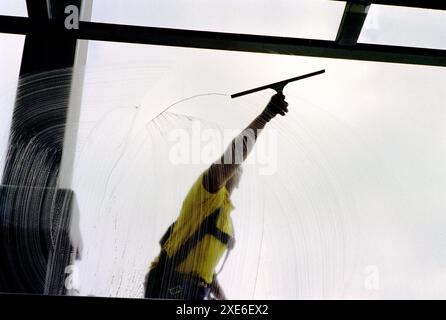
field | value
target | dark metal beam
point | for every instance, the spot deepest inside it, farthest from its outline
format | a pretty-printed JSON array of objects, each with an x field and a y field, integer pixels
[
  {"x": 422, "y": 4},
  {"x": 38, "y": 9},
  {"x": 34, "y": 213},
  {"x": 352, "y": 23},
  {"x": 43, "y": 52},
  {"x": 57, "y": 7},
  {"x": 227, "y": 41},
  {"x": 48, "y": 9}
]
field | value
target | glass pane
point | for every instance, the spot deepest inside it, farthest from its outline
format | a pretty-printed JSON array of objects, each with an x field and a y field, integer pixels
[
  {"x": 401, "y": 26},
  {"x": 13, "y": 8},
  {"x": 317, "y": 19},
  {"x": 341, "y": 198},
  {"x": 11, "y": 49}
]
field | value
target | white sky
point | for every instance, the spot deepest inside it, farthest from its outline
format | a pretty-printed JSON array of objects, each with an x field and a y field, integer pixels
[
  {"x": 11, "y": 47},
  {"x": 405, "y": 27},
  {"x": 360, "y": 183},
  {"x": 279, "y": 18},
  {"x": 13, "y": 8}
]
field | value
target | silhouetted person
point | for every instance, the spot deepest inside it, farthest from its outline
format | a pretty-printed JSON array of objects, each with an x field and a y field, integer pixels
[{"x": 194, "y": 244}]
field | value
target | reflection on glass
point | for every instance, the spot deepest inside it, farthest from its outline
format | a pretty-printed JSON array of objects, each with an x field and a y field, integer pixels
[
  {"x": 402, "y": 26},
  {"x": 286, "y": 18}
]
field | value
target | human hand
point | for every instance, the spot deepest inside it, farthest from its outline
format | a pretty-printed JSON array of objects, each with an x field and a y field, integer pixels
[{"x": 277, "y": 105}]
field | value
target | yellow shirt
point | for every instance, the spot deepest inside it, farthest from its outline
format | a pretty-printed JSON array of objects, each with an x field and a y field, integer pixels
[{"x": 198, "y": 204}]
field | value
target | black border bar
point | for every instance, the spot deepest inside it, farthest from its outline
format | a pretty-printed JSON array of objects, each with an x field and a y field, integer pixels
[{"x": 47, "y": 306}]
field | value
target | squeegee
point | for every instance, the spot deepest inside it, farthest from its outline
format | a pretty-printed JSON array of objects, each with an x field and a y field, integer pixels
[{"x": 278, "y": 86}]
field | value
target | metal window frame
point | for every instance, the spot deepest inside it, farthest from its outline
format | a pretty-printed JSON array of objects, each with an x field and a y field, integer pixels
[{"x": 225, "y": 41}]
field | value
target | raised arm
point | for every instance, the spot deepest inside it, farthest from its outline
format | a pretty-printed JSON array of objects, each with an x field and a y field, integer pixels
[{"x": 224, "y": 168}]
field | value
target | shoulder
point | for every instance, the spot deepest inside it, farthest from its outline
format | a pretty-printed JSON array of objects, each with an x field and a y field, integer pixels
[
  {"x": 199, "y": 192},
  {"x": 210, "y": 179}
]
